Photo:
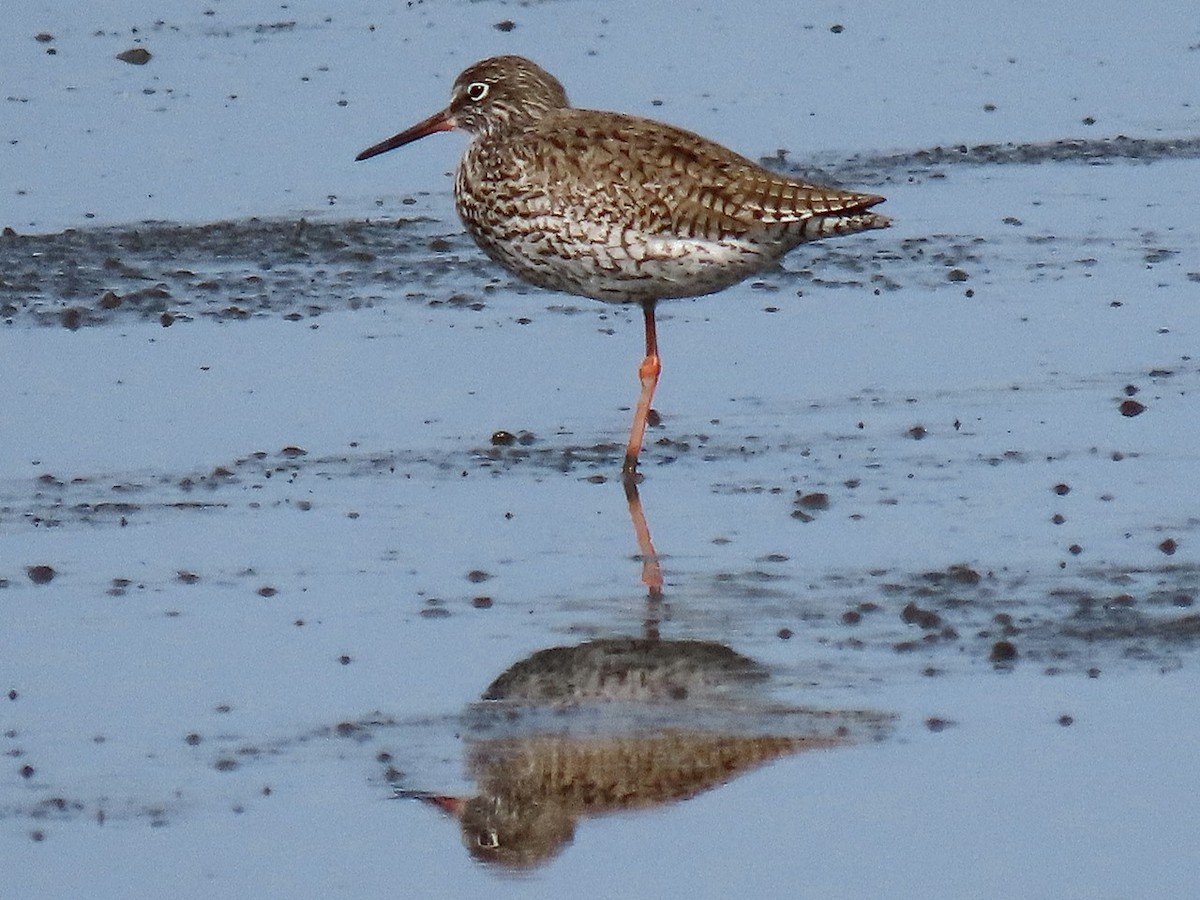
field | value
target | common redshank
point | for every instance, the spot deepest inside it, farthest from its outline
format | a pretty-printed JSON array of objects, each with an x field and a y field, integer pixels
[{"x": 615, "y": 207}]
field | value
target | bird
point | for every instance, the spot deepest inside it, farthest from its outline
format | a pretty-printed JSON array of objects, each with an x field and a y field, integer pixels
[{"x": 616, "y": 207}]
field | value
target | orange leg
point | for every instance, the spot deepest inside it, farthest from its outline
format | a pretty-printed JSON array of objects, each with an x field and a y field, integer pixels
[{"x": 648, "y": 374}]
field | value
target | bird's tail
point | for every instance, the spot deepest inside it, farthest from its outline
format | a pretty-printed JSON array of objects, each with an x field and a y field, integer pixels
[{"x": 827, "y": 226}]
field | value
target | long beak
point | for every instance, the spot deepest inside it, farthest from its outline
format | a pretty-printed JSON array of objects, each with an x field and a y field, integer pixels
[
  {"x": 447, "y": 804},
  {"x": 441, "y": 121}
]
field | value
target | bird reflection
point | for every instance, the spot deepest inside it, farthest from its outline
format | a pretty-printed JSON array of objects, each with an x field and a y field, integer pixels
[{"x": 620, "y": 724}]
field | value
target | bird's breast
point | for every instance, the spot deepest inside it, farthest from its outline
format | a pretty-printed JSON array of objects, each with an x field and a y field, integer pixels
[{"x": 602, "y": 259}]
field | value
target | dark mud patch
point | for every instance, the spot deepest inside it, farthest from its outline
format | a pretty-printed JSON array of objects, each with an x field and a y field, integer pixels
[
  {"x": 626, "y": 735},
  {"x": 284, "y": 478},
  {"x": 56, "y": 809},
  {"x": 968, "y": 615},
  {"x": 234, "y": 763},
  {"x": 162, "y": 273},
  {"x": 879, "y": 169},
  {"x": 1059, "y": 613}
]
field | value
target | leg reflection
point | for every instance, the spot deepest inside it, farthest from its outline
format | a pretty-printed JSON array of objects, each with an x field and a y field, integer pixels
[{"x": 651, "y": 570}]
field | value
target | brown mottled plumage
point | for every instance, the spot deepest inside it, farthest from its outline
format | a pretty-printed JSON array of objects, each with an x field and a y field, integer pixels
[{"x": 616, "y": 207}]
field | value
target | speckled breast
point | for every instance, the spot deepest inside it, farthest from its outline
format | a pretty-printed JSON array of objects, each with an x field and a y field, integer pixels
[{"x": 597, "y": 253}]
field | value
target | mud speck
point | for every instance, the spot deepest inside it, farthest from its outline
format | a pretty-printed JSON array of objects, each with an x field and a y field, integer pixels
[
  {"x": 40, "y": 574},
  {"x": 963, "y": 574},
  {"x": 1003, "y": 652},
  {"x": 815, "y": 500},
  {"x": 1131, "y": 408},
  {"x": 135, "y": 56},
  {"x": 924, "y": 618}
]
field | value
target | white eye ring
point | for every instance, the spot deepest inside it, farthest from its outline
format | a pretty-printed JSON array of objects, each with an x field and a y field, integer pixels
[{"x": 477, "y": 90}]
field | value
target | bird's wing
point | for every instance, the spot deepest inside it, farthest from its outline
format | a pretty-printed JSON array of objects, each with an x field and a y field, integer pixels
[{"x": 660, "y": 179}]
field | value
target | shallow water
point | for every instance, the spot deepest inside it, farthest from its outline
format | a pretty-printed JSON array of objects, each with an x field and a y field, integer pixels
[{"x": 284, "y": 619}]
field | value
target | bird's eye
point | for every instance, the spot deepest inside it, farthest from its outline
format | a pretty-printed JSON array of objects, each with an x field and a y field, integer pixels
[{"x": 477, "y": 90}]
